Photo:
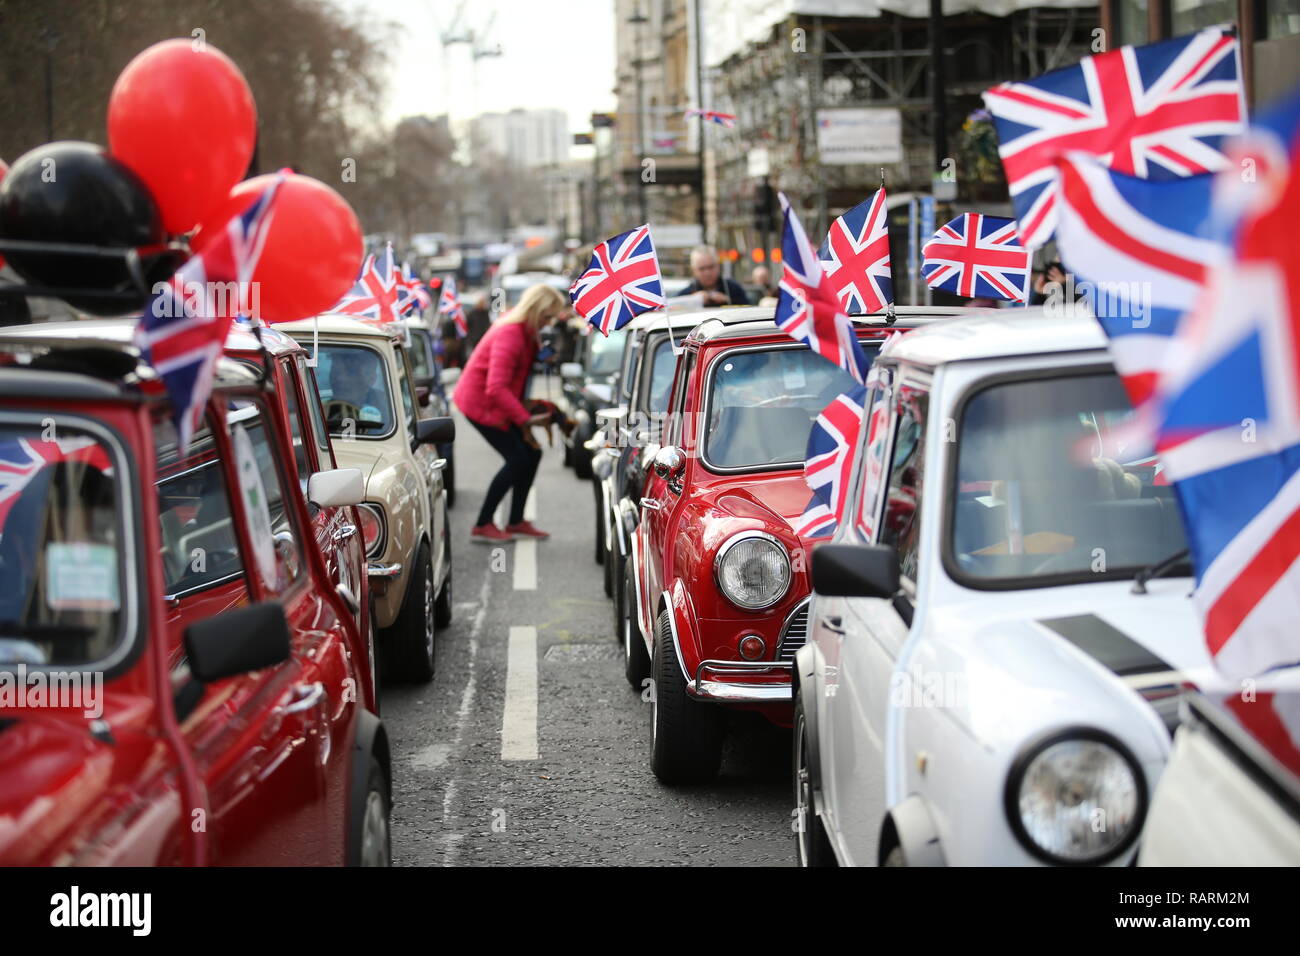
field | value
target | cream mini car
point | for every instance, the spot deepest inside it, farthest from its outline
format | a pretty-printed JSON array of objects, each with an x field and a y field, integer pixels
[{"x": 372, "y": 413}]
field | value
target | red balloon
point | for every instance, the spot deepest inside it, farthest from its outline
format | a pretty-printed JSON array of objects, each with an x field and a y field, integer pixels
[
  {"x": 182, "y": 118},
  {"x": 312, "y": 253}
]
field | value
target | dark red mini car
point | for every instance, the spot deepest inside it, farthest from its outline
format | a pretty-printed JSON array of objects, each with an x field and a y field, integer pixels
[{"x": 189, "y": 683}]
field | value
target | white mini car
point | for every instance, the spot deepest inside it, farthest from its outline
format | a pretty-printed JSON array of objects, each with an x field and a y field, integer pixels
[{"x": 985, "y": 683}]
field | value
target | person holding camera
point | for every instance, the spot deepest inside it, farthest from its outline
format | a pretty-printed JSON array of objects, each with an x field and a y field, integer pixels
[{"x": 490, "y": 393}]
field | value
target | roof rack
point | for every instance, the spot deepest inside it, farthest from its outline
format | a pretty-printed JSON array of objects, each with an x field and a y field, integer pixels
[{"x": 134, "y": 260}]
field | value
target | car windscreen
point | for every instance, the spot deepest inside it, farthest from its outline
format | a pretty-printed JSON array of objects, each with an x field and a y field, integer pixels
[
  {"x": 355, "y": 390},
  {"x": 762, "y": 403},
  {"x": 62, "y": 546},
  {"x": 606, "y": 352},
  {"x": 663, "y": 363},
  {"x": 1049, "y": 482}
]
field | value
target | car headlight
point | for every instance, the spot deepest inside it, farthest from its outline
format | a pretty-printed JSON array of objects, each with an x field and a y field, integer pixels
[
  {"x": 753, "y": 570},
  {"x": 1076, "y": 798},
  {"x": 373, "y": 528}
]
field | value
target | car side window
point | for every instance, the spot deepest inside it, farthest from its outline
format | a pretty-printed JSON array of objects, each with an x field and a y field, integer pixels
[
  {"x": 677, "y": 417},
  {"x": 275, "y": 539},
  {"x": 901, "y": 526},
  {"x": 315, "y": 416},
  {"x": 405, "y": 389},
  {"x": 871, "y": 464},
  {"x": 297, "y": 435}
]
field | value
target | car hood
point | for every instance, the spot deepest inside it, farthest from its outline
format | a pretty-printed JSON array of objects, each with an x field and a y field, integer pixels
[
  {"x": 774, "y": 500},
  {"x": 369, "y": 457}
]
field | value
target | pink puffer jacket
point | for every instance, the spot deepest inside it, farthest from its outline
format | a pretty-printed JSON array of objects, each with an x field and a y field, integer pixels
[{"x": 492, "y": 383}]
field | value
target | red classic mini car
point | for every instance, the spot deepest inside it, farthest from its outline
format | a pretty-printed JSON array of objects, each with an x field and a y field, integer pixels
[
  {"x": 717, "y": 588},
  {"x": 185, "y": 679}
]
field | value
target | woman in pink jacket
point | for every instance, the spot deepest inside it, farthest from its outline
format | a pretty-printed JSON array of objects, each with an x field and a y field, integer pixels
[{"x": 490, "y": 394}]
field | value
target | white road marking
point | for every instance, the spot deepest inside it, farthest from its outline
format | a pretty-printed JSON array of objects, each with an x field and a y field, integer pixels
[
  {"x": 530, "y": 505},
  {"x": 519, "y": 719},
  {"x": 525, "y": 564}
]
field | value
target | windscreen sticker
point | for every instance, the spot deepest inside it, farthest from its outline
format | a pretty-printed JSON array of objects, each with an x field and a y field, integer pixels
[
  {"x": 794, "y": 377},
  {"x": 81, "y": 577},
  {"x": 256, "y": 505}
]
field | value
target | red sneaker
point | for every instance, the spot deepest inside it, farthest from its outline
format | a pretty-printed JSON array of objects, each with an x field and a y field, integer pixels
[
  {"x": 526, "y": 528},
  {"x": 490, "y": 534}
]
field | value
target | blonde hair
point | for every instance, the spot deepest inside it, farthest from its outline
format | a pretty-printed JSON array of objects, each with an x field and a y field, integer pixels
[{"x": 535, "y": 303}]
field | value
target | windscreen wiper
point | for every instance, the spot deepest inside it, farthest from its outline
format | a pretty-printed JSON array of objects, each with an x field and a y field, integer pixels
[{"x": 1158, "y": 570}]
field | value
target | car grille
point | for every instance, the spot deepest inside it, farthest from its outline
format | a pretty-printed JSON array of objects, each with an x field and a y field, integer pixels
[{"x": 795, "y": 633}]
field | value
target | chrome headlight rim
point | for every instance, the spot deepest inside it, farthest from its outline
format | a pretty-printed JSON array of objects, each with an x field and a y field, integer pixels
[
  {"x": 382, "y": 541},
  {"x": 736, "y": 539},
  {"x": 1016, "y": 776}
]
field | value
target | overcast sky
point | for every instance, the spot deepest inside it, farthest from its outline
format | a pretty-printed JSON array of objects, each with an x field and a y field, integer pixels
[{"x": 555, "y": 53}]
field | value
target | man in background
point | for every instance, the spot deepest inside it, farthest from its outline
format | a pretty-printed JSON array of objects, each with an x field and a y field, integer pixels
[{"x": 708, "y": 279}]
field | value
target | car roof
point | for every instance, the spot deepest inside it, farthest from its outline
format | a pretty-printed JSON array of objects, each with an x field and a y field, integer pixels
[
  {"x": 741, "y": 321},
  {"x": 330, "y": 324},
  {"x": 120, "y": 333},
  {"x": 1004, "y": 333}
]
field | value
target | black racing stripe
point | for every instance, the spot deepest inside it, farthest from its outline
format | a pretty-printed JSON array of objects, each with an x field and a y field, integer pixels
[{"x": 1108, "y": 645}]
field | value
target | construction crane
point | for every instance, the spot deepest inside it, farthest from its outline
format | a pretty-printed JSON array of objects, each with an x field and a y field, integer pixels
[
  {"x": 457, "y": 33},
  {"x": 479, "y": 40}
]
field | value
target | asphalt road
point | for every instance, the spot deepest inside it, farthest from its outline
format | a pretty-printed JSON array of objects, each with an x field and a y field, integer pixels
[{"x": 483, "y": 776}]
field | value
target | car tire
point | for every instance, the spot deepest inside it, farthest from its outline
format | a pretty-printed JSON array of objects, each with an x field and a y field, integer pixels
[
  {"x": 582, "y": 462},
  {"x": 812, "y": 847},
  {"x": 442, "y": 606},
  {"x": 685, "y": 735},
  {"x": 375, "y": 847},
  {"x": 413, "y": 631},
  {"x": 636, "y": 660}
]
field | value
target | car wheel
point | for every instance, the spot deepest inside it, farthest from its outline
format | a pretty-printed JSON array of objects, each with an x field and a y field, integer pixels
[
  {"x": 811, "y": 844},
  {"x": 685, "y": 735},
  {"x": 413, "y": 631},
  {"x": 442, "y": 606},
  {"x": 600, "y": 529},
  {"x": 375, "y": 848},
  {"x": 581, "y": 462},
  {"x": 636, "y": 661}
]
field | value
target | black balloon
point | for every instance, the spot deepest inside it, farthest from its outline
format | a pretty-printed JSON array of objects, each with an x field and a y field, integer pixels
[{"x": 76, "y": 193}]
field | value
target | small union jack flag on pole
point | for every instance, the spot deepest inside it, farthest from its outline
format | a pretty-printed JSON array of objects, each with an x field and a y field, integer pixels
[
  {"x": 184, "y": 326},
  {"x": 375, "y": 296},
  {"x": 1158, "y": 111},
  {"x": 977, "y": 256},
  {"x": 856, "y": 254},
  {"x": 828, "y": 466},
  {"x": 807, "y": 309},
  {"x": 449, "y": 305},
  {"x": 713, "y": 116},
  {"x": 621, "y": 282}
]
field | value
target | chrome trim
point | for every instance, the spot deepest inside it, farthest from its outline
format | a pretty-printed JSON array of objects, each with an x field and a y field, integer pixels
[
  {"x": 802, "y": 606},
  {"x": 672, "y": 626},
  {"x": 732, "y": 542},
  {"x": 762, "y": 646},
  {"x": 737, "y": 692},
  {"x": 375, "y": 569}
]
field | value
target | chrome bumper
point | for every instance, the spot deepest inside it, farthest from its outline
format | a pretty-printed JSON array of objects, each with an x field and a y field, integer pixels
[{"x": 739, "y": 692}]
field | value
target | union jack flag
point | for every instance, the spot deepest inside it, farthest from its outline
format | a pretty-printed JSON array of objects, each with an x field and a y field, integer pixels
[
  {"x": 411, "y": 295},
  {"x": 856, "y": 254},
  {"x": 449, "y": 305},
  {"x": 1137, "y": 249},
  {"x": 1158, "y": 111},
  {"x": 621, "y": 282},
  {"x": 376, "y": 296},
  {"x": 22, "y": 459},
  {"x": 184, "y": 326},
  {"x": 977, "y": 256},
  {"x": 828, "y": 465},
  {"x": 713, "y": 116},
  {"x": 1229, "y": 399},
  {"x": 817, "y": 520},
  {"x": 807, "y": 309}
]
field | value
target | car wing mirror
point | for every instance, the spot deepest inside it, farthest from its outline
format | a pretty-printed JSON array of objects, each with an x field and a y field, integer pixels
[
  {"x": 336, "y": 488},
  {"x": 571, "y": 370},
  {"x": 436, "y": 431},
  {"x": 669, "y": 463},
  {"x": 422, "y": 395},
  {"x": 237, "y": 642},
  {"x": 855, "y": 570}
]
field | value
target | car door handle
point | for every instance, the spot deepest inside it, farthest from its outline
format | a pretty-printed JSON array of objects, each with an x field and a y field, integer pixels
[
  {"x": 833, "y": 623},
  {"x": 305, "y": 697},
  {"x": 652, "y": 504},
  {"x": 344, "y": 532}
]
